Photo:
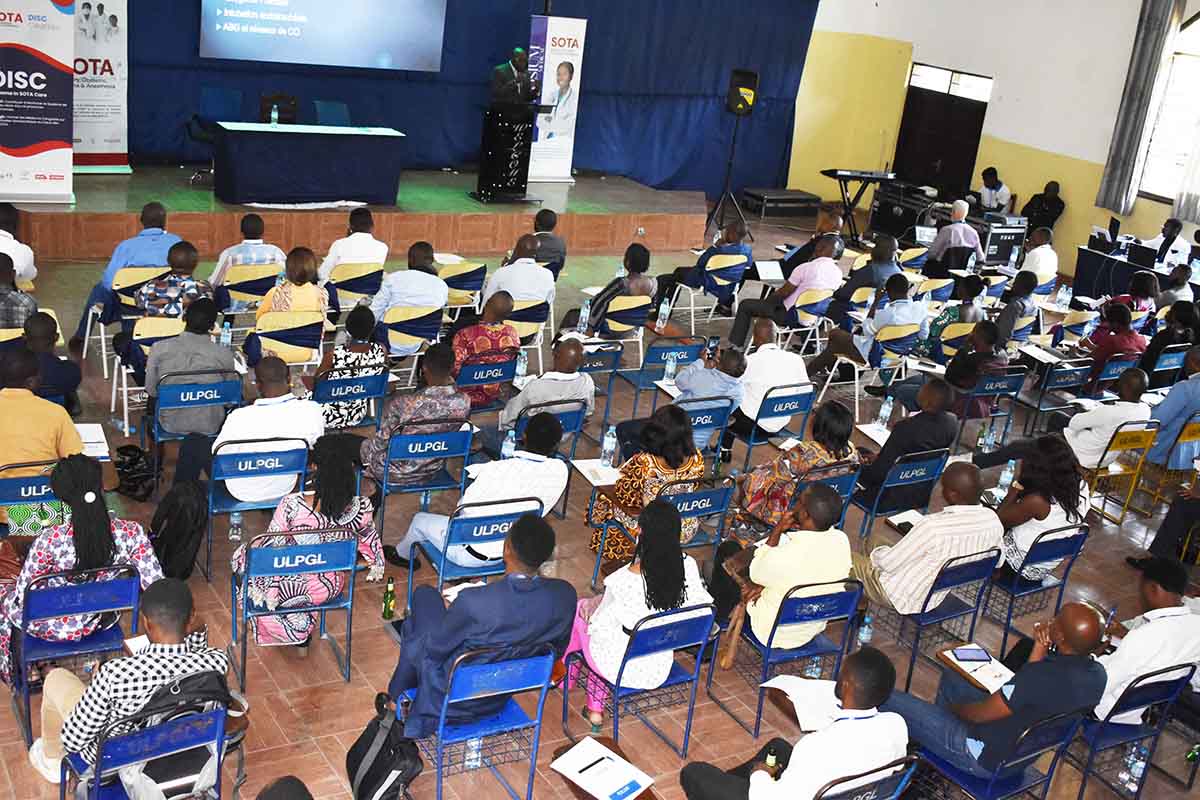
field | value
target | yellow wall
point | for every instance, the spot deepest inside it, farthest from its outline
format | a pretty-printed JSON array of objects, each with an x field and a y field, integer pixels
[{"x": 848, "y": 114}]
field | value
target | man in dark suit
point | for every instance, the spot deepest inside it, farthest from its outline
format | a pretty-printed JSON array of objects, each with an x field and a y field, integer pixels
[
  {"x": 516, "y": 613},
  {"x": 511, "y": 82}
]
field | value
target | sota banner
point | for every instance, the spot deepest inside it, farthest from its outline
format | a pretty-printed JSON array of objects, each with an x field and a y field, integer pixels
[
  {"x": 37, "y": 48},
  {"x": 556, "y": 59},
  {"x": 102, "y": 86}
]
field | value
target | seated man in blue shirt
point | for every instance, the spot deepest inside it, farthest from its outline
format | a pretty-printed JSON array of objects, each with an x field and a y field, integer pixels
[
  {"x": 148, "y": 249},
  {"x": 60, "y": 377},
  {"x": 1175, "y": 411},
  {"x": 975, "y": 731},
  {"x": 517, "y": 613},
  {"x": 873, "y": 274},
  {"x": 732, "y": 242},
  {"x": 899, "y": 311}
]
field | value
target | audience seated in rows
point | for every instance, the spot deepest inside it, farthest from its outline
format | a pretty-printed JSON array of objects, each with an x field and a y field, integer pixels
[
  {"x": 731, "y": 243},
  {"x": 873, "y": 275},
  {"x": 900, "y": 576},
  {"x": 416, "y": 287},
  {"x": 767, "y": 366},
  {"x": 490, "y": 340},
  {"x": 668, "y": 454},
  {"x": 299, "y": 292},
  {"x": 1178, "y": 328},
  {"x": 969, "y": 308},
  {"x": 1115, "y": 338},
  {"x": 563, "y": 382},
  {"x": 170, "y": 295},
  {"x": 900, "y": 310},
  {"x": 522, "y": 276},
  {"x": 634, "y": 283},
  {"x": 851, "y": 734},
  {"x": 20, "y": 253},
  {"x": 979, "y": 356},
  {"x": 15, "y": 305},
  {"x": 552, "y": 248},
  {"x": 1173, "y": 413},
  {"x": 251, "y": 250},
  {"x": 357, "y": 357},
  {"x": 660, "y": 578},
  {"x": 536, "y": 610},
  {"x": 359, "y": 246},
  {"x": 58, "y": 376},
  {"x": 1020, "y": 305}
]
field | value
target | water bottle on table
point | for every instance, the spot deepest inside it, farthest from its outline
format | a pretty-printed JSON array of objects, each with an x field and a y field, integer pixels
[
  {"x": 670, "y": 368},
  {"x": 608, "y": 448},
  {"x": 1006, "y": 477},
  {"x": 274, "y": 115},
  {"x": 885, "y": 411},
  {"x": 522, "y": 364},
  {"x": 971, "y": 263},
  {"x": 1012, "y": 257},
  {"x": 226, "y": 335},
  {"x": 866, "y": 631},
  {"x": 621, "y": 273},
  {"x": 585, "y": 311},
  {"x": 510, "y": 444},
  {"x": 664, "y": 316}
]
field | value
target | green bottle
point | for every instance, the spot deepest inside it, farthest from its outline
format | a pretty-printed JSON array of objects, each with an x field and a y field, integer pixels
[
  {"x": 1193, "y": 755},
  {"x": 389, "y": 599}
]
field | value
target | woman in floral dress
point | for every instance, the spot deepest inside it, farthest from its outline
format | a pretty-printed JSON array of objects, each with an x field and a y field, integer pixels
[
  {"x": 357, "y": 358},
  {"x": 90, "y": 539},
  {"x": 332, "y": 504}
]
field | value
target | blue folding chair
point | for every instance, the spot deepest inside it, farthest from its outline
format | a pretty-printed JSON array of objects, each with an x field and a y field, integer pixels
[
  {"x": 232, "y": 460},
  {"x": 421, "y": 441},
  {"x": 1155, "y": 691},
  {"x": 910, "y": 469},
  {"x": 571, "y": 414},
  {"x": 1049, "y": 550},
  {"x": 267, "y": 561},
  {"x": 468, "y": 526},
  {"x": 709, "y": 415},
  {"x": 1054, "y": 393},
  {"x": 27, "y": 489},
  {"x": 662, "y": 632},
  {"x": 842, "y": 477},
  {"x": 487, "y": 369},
  {"x": 965, "y": 575},
  {"x": 1017, "y": 775},
  {"x": 993, "y": 390},
  {"x": 372, "y": 388},
  {"x": 509, "y": 735},
  {"x": 805, "y": 604},
  {"x": 1110, "y": 372},
  {"x": 188, "y": 394},
  {"x": 996, "y": 285},
  {"x": 1023, "y": 328},
  {"x": 888, "y": 782},
  {"x": 143, "y": 738},
  {"x": 81, "y": 593},
  {"x": 655, "y": 362},
  {"x": 603, "y": 361},
  {"x": 1169, "y": 363},
  {"x": 780, "y": 402}
]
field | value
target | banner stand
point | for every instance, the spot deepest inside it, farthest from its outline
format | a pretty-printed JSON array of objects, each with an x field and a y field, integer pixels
[
  {"x": 101, "y": 129},
  {"x": 556, "y": 61}
]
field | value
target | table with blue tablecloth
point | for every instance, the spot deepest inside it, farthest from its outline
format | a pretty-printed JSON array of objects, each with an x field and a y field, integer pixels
[
  {"x": 1098, "y": 274},
  {"x": 262, "y": 163}
]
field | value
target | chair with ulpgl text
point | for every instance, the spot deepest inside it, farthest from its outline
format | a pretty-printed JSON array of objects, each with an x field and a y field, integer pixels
[
  {"x": 123, "y": 307},
  {"x": 1055, "y": 391},
  {"x": 954, "y": 337},
  {"x": 1139, "y": 320},
  {"x": 185, "y": 734},
  {"x": 1022, "y": 330},
  {"x": 888, "y": 782},
  {"x": 176, "y": 391},
  {"x": 1076, "y": 325},
  {"x": 427, "y": 440},
  {"x": 910, "y": 469},
  {"x": 1158, "y": 480},
  {"x": 405, "y": 330},
  {"x": 294, "y": 336},
  {"x": 1169, "y": 364},
  {"x": 1110, "y": 373},
  {"x": 860, "y": 303},
  {"x": 624, "y": 321},
  {"x": 780, "y": 402},
  {"x": 1017, "y": 775},
  {"x": 885, "y": 359},
  {"x": 956, "y": 595},
  {"x": 27, "y": 483},
  {"x": 804, "y": 604},
  {"x": 913, "y": 258},
  {"x": 1153, "y": 694},
  {"x": 331, "y": 553},
  {"x": 654, "y": 364},
  {"x": 841, "y": 476},
  {"x": 709, "y": 415},
  {"x": 807, "y": 318},
  {"x": 250, "y": 458},
  {"x": 1014, "y": 595},
  {"x": 489, "y": 368},
  {"x": 707, "y": 503},
  {"x": 662, "y": 632},
  {"x": 465, "y": 281},
  {"x": 91, "y": 593},
  {"x": 244, "y": 288},
  {"x": 935, "y": 292},
  {"x": 352, "y": 283},
  {"x": 472, "y": 525},
  {"x": 530, "y": 319},
  {"x": 1118, "y": 481},
  {"x": 721, "y": 278},
  {"x": 147, "y": 332},
  {"x": 605, "y": 360},
  {"x": 994, "y": 288},
  {"x": 571, "y": 414},
  {"x": 340, "y": 386},
  {"x": 505, "y": 735},
  {"x": 986, "y": 402}
]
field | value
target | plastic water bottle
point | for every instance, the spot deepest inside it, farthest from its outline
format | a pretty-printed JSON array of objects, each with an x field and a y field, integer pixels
[
  {"x": 522, "y": 364},
  {"x": 226, "y": 335},
  {"x": 885, "y": 411},
  {"x": 670, "y": 367},
  {"x": 118, "y": 423},
  {"x": 585, "y": 312},
  {"x": 813, "y": 668},
  {"x": 1060, "y": 298},
  {"x": 235, "y": 526},
  {"x": 1006, "y": 477},
  {"x": 971, "y": 263},
  {"x": 473, "y": 754},
  {"x": 275, "y": 115},
  {"x": 510, "y": 444},
  {"x": 989, "y": 441},
  {"x": 981, "y": 440},
  {"x": 1068, "y": 296},
  {"x": 664, "y": 315},
  {"x": 608, "y": 448},
  {"x": 1135, "y": 766},
  {"x": 866, "y": 631},
  {"x": 1012, "y": 258},
  {"x": 621, "y": 273}
]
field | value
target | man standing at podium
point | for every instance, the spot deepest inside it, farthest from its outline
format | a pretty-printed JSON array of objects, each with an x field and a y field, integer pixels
[{"x": 511, "y": 82}]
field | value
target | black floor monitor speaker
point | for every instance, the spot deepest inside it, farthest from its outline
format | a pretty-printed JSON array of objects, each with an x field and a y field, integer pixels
[{"x": 743, "y": 91}]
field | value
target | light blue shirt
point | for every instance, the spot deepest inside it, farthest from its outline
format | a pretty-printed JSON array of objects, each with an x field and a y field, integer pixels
[
  {"x": 896, "y": 312},
  {"x": 696, "y": 380},
  {"x": 1173, "y": 413},
  {"x": 148, "y": 249},
  {"x": 248, "y": 251},
  {"x": 408, "y": 287}
]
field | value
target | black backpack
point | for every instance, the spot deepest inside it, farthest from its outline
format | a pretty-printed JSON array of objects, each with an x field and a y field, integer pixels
[
  {"x": 382, "y": 762},
  {"x": 178, "y": 527}
]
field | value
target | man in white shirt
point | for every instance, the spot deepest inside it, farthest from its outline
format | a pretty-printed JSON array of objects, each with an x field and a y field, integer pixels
[
  {"x": 850, "y": 736},
  {"x": 417, "y": 286},
  {"x": 1166, "y": 634},
  {"x": 768, "y": 365},
  {"x": 899, "y": 311},
  {"x": 1170, "y": 244},
  {"x": 532, "y": 472},
  {"x": 251, "y": 250},
  {"x": 20, "y": 253},
  {"x": 901, "y": 575},
  {"x": 521, "y": 277},
  {"x": 276, "y": 414},
  {"x": 1040, "y": 257},
  {"x": 993, "y": 195},
  {"x": 358, "y": 247}
]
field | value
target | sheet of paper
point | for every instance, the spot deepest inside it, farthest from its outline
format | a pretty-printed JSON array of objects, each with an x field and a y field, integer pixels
[
  {"x": 447, "y": 258},
  {"x": 592, "y": 291},
  {"x": 921, "y": 365},
  {"x": 783, "y": 248},
  {"x": 990, "y": 674},
  {"x": 875, "y": 432},
  {"x": 600, "y": 772},
  {"x": 669, "y": 388},
  {"x": 95, "y": 443},
  {"x": 1086, "y": 403},
  {"x": 696, "y": 251},
  {"x": 1152, "y": 398},
  {"x": 815, "y": 703},
  {"x": 1089, "y": 302},
  {"x": 595, "y": 473},
  {"x": 789, "y": 443},
  {"x": 1038, "y": 354},
  {"x": 769, "y": 271},
  {"x": 911, "y": 517}
]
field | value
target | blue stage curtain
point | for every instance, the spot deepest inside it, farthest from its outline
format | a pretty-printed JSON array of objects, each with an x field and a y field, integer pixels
[{"x": 655, "y": 76}]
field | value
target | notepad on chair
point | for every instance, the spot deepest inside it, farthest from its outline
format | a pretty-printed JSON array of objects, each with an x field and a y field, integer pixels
[{"x": 769, "y": 270}]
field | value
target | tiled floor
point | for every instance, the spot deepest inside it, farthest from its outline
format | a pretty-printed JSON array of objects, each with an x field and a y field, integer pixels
[{"x": 304, "y": 717}]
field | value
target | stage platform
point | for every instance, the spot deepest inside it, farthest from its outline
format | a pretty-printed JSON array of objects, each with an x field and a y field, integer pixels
[{"x": 598, "y": 216}]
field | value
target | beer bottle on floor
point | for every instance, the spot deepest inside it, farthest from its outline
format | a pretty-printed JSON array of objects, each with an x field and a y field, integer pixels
[{"x": 389, "y": 599}]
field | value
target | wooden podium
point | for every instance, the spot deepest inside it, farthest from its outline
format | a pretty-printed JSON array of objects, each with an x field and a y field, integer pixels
[{"x": 504, "y": 152}]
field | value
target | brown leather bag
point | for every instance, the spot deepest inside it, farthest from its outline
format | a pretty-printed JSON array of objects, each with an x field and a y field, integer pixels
[{"x": 13, "y": 550}]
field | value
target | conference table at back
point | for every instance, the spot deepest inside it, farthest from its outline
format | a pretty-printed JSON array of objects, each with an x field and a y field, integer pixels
[
  {"x": 1098, "y": 274},
  {"x": 262, "y": 163}
]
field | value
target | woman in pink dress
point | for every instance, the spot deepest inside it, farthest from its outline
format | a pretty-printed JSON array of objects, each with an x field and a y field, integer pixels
[
  {"x": 88, "y": 539},
  {"x": 332, "y": 504}
]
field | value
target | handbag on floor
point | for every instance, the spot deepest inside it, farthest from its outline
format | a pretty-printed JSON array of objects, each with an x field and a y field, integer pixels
[{"x": 382, "y": 762}]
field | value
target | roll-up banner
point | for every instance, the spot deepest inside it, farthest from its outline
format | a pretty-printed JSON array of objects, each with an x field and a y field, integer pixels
[
  {"x": 37, "y": 49},
  {"x": 102, "y": 86},
  {"x": 556, "y": 60}
]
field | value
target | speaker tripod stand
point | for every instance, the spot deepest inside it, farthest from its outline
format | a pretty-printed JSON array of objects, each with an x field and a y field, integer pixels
[{"x": 727, "y": 201}]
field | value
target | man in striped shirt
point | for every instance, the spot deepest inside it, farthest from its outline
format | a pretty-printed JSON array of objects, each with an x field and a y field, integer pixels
[
  {"x": 251, "y": 250},
  {"x": 901, "y": 575}
]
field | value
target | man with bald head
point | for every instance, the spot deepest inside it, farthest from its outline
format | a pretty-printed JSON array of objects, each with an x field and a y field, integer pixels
[
  {"x": 975, "y": 731},
  {"x": 955, "y": 234},
  {"x": 564, "y": 382},
  {"x": 900, "y": 576},
  {"x": 522, "y": 277}
]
